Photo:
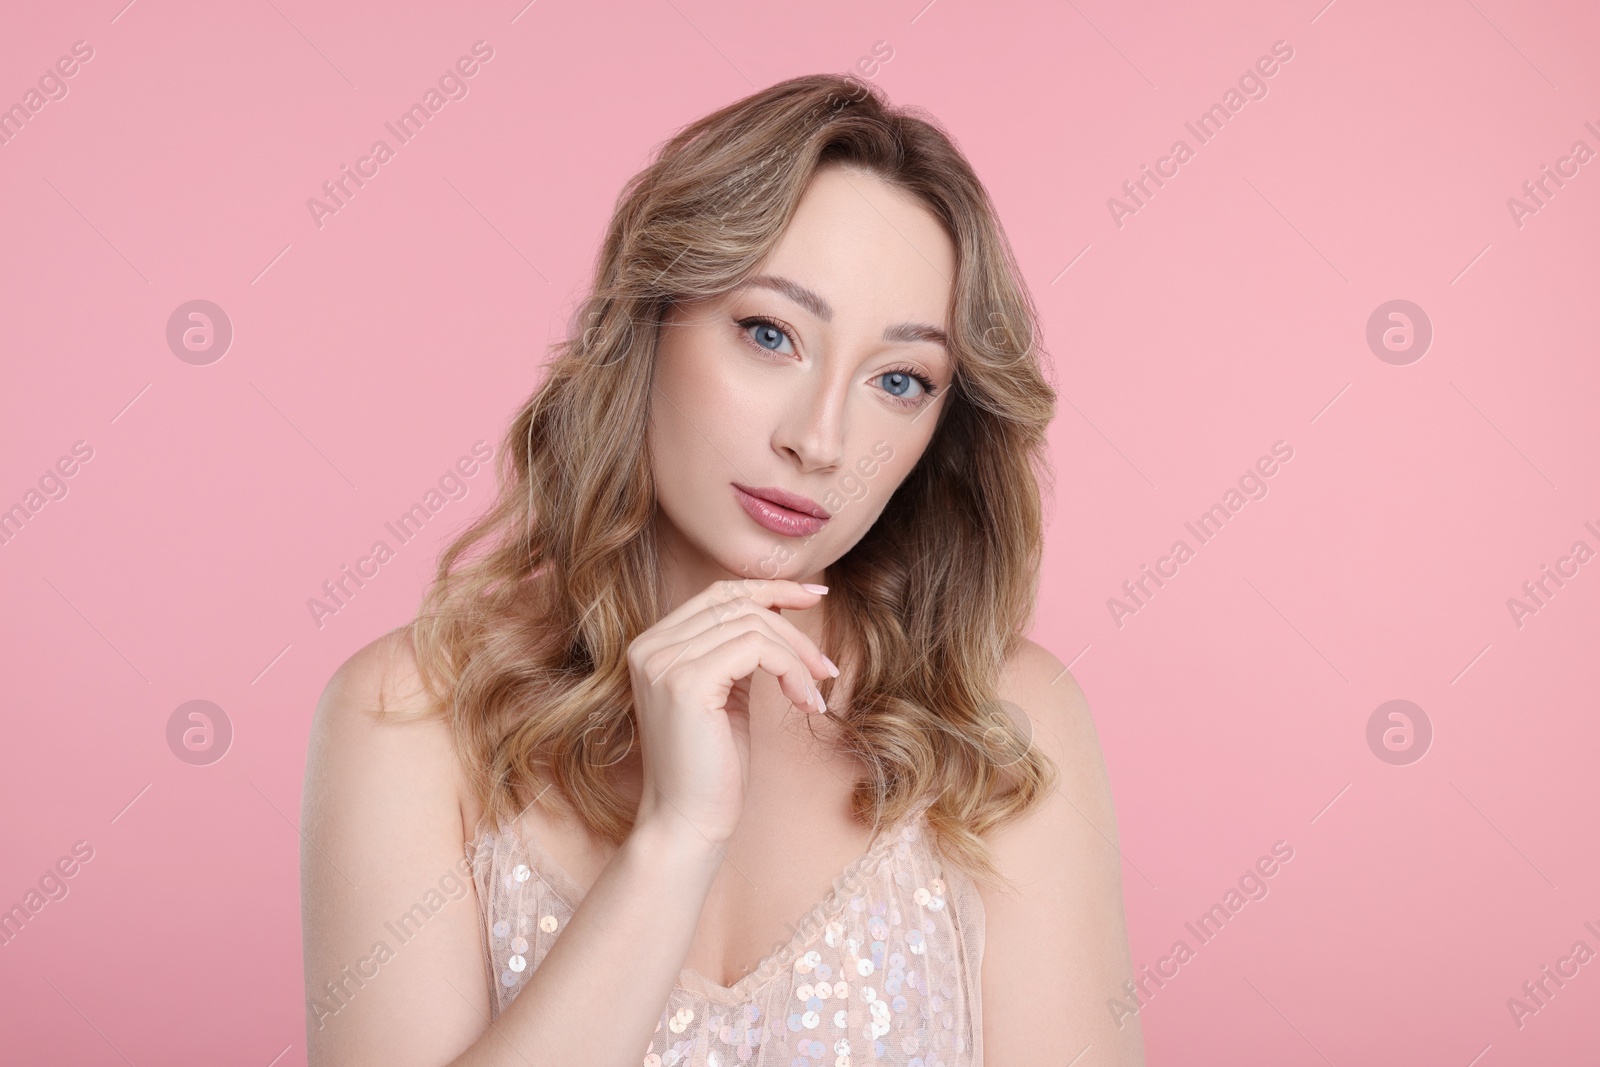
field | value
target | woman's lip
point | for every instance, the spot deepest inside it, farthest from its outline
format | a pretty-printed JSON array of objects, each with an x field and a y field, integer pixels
[
  {"x": 776, "y": 517},
  {"x": 804, "y": 505}
]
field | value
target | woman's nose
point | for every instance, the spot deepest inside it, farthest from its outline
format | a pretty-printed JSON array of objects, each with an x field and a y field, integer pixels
[{"x": 811, "y": 428}]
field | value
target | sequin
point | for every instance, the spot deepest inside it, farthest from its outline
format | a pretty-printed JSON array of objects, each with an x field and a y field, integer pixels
[{"x": 883, "y": 981}]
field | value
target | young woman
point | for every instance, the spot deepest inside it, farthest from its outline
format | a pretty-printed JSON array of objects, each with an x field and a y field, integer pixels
[{"x": 717, "y": 739}]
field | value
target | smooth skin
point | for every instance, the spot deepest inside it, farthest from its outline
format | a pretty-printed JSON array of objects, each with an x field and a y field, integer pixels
[{"x": 742, "y": 812}]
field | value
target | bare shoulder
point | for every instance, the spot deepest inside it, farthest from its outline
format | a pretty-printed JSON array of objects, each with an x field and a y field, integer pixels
[
  {"x": 378, "y": 735},
  {"x": 1063, "y": 728},
  {"x": 1057, "y": 949},
  {"x": 383, "y": 836},
  {"x": 1036, "y": 683},
  {"x": 375, "y": 721},
  {"x": 383, "y": 670}
]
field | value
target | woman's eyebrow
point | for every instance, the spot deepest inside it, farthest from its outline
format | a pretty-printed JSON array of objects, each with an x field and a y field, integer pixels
[{"x": 814, "y": 303}]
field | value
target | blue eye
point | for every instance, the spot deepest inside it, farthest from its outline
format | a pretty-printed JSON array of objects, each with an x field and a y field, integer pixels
[
  {"x": 898, "y": 384},
  {"x": 907, "y": 387},
  {"x": 766, "y": 334}
]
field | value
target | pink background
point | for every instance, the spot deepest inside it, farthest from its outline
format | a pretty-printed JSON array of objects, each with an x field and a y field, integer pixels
[{"x": 1227, "y": 314}]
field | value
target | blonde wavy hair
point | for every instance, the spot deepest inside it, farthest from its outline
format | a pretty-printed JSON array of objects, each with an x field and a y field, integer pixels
[{"x": 924, "y": 609}]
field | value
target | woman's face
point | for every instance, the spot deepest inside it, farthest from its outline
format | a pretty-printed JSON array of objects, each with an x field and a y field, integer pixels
[{"x": 819, "y": 380}]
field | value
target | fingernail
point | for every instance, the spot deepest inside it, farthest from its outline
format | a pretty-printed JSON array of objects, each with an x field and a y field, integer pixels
[
  {"x": 820, "y": 702},
  {"x": 831, "y": 666},
  {"x": 813, "y": 588}
]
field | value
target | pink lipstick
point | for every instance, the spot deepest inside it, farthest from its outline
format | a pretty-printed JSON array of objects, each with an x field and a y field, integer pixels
[{"x": 781, "y": 511}]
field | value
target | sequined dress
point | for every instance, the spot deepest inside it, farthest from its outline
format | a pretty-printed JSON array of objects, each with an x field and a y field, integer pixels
[{"x": 883, "y": 972}]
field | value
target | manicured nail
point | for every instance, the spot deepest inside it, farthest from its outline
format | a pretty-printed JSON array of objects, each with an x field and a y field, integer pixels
[
  {"x": 813, "y": 588},
  {"x": 831, "y": 666},
  {"x": 823, "y": 704}
]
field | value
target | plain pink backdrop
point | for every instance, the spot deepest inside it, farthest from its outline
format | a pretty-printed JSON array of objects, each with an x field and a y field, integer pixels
[{"x": 1229, "y": 312}]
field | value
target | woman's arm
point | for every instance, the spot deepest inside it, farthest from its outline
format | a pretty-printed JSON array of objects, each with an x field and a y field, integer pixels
[
  {"x": 1056, "y": 954},
  {"x": 395, "y": 973}
]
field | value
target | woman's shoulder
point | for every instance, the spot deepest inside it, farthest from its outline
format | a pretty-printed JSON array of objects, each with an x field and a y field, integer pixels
[
  {"x": 382, "y": 851},
  {"x": 378, "y": 685},
  {"x": 377, "y": 723},
  {"x": 1063, "y": 853},
  {"x": 1041, "y": 692},
  {"x": 1035, "y": 682}
]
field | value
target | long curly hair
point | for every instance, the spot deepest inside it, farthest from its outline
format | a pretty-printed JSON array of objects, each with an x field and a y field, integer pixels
[{"x": 923, "y": 611}]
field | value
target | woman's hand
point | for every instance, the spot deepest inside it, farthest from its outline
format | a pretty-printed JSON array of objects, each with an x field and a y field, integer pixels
[{"x": 691, "y": 676}]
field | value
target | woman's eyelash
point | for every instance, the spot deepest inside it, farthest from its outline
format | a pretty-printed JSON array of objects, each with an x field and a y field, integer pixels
[
  {"x": 762, "y": 320},
  {"x": 928, "y": 388}
]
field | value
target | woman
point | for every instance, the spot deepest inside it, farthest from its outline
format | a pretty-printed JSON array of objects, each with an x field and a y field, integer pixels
[{"x": 716, "y": 739}]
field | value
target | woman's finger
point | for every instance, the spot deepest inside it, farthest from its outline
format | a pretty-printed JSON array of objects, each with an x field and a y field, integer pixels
[
  {"x": 717, "y": 616},
  {"x": 745, "y": 648}
]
